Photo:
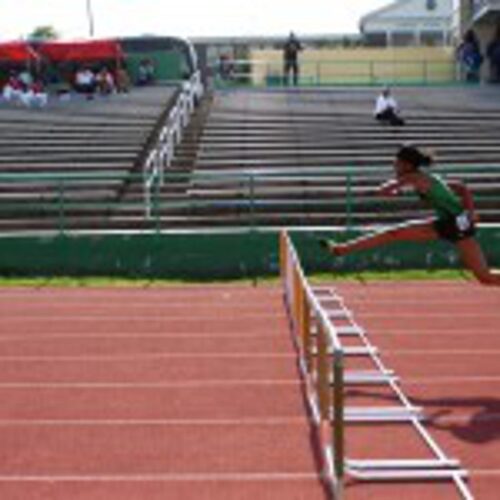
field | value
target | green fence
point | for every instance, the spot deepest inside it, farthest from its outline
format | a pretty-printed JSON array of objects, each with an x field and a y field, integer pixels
[
  {"x": 246, "y": 251},
  {"x": 327, "y": 73},
  {"x": 61, "y": 202}
]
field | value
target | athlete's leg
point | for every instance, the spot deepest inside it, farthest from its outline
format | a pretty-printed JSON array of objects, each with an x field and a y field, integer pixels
[
  {"x": 421, "y": 230},
  {"x": 473, "y": 258}
]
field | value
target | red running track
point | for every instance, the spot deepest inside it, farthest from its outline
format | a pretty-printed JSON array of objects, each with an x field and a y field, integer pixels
[
  {"x": 193, "y": 392},
  {"x": 156, "y": 393},
  {"x": 443, "y": 340}
]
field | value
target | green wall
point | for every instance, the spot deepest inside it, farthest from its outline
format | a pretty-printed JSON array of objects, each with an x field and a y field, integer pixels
[{"x": 211, "y": 255}]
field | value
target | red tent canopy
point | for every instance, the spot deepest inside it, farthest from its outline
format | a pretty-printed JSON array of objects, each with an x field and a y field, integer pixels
[
  {"x": 16, "y": 52},
  {"x": 89, "y": 50}
]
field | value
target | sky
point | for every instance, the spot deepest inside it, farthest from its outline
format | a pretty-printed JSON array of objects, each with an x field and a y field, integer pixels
[{"x": 187, "y": 18}]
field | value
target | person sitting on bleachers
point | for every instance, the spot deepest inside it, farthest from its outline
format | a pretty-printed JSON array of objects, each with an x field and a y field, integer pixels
[
  {"x": 105, "y": 82},
  {"x": 35, "y": 95},
  {"x": 122, "y": 80},
  {"x": 85, "y": 82},
  {"x": 146, "y": 72},
  {"x": 13, "y": 89},
  {"x": 387, "y": 109},
  {"x": 26, "y": 78}
]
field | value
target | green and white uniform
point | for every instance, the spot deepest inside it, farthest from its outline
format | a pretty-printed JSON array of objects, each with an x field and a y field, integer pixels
[{"x": 452, "y": 221}]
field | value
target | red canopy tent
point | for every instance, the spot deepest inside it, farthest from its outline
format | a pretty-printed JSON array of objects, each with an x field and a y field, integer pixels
[
  {"x": 17, "y": 52},
  {"x": 88, "y": 50}
]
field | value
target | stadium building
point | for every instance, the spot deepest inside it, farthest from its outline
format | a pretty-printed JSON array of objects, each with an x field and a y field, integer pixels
[{"x": 409, "y": 23}]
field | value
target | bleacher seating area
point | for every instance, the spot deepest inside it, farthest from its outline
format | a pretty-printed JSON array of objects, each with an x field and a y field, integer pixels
[
  {"x": 77, "y": 156},
  {"x": 308, "y": 151},
  {"x": 248, "y": 157}
]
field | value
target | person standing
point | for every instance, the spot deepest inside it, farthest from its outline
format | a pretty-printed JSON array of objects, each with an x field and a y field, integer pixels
[
  {"x": 493, "y": 53},
  {"x": 470, "y": 57},
  {"x": 291, "y": 51}
]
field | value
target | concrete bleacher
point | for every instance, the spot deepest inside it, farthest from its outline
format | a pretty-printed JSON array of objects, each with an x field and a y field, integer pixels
[
  {"x": 292, "y": 150},
  {"x": 78, "y": 153},
  {"x": 248, "y": 157}
]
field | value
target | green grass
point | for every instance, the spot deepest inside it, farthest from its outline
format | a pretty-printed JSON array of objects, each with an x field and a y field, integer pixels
[
  {"x": 407, "y": 275},
  {"x": 98, "y": 281}
]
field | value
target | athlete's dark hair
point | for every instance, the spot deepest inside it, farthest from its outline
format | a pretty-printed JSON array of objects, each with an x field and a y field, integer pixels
[{"x": 414, "y": 155}]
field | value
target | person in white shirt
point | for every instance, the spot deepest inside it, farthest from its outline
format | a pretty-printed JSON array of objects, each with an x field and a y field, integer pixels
[
  {"x": 26, "y": 79},
  {"x": 13, "y": 89},
  {"x": 386, "y": 109},
  {"x": 85, "y": 82},
  {"x": 35, "y": 95}
]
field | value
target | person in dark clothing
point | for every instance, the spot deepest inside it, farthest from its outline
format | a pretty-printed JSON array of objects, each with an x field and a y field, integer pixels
[
  {"x": 493, "y": 53},
  {"x": 470, "y": 58},
  {"x": 291, "y": 51}
]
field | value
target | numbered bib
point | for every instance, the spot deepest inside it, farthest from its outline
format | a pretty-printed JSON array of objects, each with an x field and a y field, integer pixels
[{"x": 463, "y": 222}]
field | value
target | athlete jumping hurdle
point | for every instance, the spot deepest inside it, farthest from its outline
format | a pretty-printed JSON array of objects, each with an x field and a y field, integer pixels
[{"x": 452, "y": 203}]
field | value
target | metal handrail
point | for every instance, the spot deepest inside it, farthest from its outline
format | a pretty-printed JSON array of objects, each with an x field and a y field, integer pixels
[{"x": 162, "y": 153}]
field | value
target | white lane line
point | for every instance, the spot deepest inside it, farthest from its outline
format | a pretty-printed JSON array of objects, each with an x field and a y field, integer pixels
[
  {"x": 464, "y": 417},
  {"x": 424, "y": 302},
  {"x": 274, "y": 421},
  {"x": 454, "y": 316},
  {"x": 127, "y": 315},
  {"x": 102, "y": 306},
  {"x": 179, "y": 477},
  {"x": 424, "y": 331},
  {"x": 437, "y": 380},
  {"x": 485, "y": 472},
  {"x": 148, "y": 385},
  {"x": 443, "y": 352},
  {"x": 273, "y": 334},
  {"x": 149, "y": 356}
]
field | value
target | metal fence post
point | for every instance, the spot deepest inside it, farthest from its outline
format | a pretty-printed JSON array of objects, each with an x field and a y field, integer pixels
[
  {"x": 252, "y": 201},
  {"x": 61, "y": 207},
  {"x": 338, "y": 419},
  {"x": 156, "y": 203},
  {"x": 349, "y": 202}
]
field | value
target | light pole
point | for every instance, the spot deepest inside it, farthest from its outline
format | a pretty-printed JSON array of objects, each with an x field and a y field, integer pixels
[{"x": 90, "y": 18}]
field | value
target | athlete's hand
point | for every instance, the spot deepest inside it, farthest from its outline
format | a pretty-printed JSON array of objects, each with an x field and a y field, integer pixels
[{"x": 388, "y": 189}]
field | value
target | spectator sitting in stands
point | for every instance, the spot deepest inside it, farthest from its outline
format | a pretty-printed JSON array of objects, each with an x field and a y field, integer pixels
[
  {"x": 35, "y": 95},
  {"x": 26, "y": 79},
  {"x": 386, "y": 109},
  {"x": 13, "y": 89},
  {"x": 85, "y": 82},
  {"x": 122, "y": 80},
  {"x": 105, "y": 82},
  {"x": 146, "y": 73}
]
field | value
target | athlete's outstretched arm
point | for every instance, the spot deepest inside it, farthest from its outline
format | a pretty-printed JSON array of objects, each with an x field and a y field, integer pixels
[
  {"x": 395, "y": 186},
  {"x": 390, "y": 188}
]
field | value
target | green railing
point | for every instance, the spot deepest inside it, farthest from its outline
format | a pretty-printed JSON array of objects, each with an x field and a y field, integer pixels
[
  {"x": 317, "y": 73},
  {"x": 61, "y": 202}
]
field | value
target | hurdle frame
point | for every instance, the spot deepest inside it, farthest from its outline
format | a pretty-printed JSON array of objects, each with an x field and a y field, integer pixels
[
  {"x": 313, "y": 313},
  {"x": 322, "y": 365}
]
